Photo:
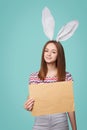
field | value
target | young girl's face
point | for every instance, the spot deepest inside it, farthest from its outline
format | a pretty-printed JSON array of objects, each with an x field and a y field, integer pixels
[{"x": 50, "y": 53}]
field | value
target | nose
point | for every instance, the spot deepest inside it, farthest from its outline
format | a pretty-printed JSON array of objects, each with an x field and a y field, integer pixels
[{"x": 49, "y": 53}]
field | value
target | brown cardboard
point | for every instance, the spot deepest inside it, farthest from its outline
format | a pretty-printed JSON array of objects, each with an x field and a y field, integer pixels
[{"x": 56, "y": 97}]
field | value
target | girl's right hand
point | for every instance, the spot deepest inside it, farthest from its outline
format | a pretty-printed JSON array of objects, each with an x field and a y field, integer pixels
[{"x": 29, "y": 104}]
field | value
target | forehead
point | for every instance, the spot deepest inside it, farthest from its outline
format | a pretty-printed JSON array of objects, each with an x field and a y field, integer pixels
[{"x": 51, "y": 46}]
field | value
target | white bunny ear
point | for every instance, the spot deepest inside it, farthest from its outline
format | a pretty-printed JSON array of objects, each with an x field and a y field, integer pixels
[
  {"x": 67, "y": 31},
  {"x": 48, "y": 23}
]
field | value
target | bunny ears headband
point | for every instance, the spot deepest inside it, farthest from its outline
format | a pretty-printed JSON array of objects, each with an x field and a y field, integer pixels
[{"x": 48, "y": 23}]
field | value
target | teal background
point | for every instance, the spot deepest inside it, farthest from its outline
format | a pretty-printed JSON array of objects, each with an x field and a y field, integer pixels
[{"x": 21, "y": 42}]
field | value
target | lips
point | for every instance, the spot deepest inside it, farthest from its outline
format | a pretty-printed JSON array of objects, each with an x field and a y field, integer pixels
[{"x": 48, "y": 58}]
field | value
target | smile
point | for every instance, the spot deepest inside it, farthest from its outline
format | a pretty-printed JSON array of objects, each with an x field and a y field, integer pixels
[{"x": 48, "y": 58}]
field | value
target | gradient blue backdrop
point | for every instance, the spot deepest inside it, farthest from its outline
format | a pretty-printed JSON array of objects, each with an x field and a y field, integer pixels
[{"x": 21, "y": 42}]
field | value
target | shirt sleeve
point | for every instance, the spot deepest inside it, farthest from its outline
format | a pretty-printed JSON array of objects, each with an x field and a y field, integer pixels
[
  {"x": 29, "y": 81},
  {"x": 33, "y": 78},
  {"x": 68, "y": 76}
]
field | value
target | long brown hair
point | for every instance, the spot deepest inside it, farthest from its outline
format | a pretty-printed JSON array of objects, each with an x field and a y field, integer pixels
[{"x": 60, "y": 62}]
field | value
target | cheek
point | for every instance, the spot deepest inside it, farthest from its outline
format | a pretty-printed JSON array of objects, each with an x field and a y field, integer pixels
[
  {"x": 45, "y": 54},
  {"x": 55, "y": 56}
]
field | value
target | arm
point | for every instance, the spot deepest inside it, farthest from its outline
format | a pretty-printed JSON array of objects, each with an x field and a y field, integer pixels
[
  {"x": 71, "y": 115},
  {"x": 72, "y": 120}
]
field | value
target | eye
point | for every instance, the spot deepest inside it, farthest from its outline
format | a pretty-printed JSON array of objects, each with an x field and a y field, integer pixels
[
  {"x": 45, "y": 50},
  {"x": 54, "y": 52}
]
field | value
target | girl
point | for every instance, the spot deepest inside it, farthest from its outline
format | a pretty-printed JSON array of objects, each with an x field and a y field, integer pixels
[{"x": 53, "y": 69}]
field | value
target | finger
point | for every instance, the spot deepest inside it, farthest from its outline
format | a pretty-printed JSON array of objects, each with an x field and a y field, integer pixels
[
  {"x": 30, "y": 108},
  {"x": 30, "y": 99},
  {"x": 29, "y": 105}
]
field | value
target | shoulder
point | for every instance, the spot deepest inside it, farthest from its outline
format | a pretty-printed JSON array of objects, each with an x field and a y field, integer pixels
[
  {"x": 33, "y": 78},
  {"x": 34, "y": 74},
  {"x": 68, "y": 76}
]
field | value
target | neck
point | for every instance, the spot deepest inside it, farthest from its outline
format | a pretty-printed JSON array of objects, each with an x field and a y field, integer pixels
[
  {"x": 51, "y": 67},
  {"x": 52, "y": 70}
]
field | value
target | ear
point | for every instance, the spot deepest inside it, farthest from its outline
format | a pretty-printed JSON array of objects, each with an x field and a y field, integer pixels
[
  {"x": 67, "y": 31},
  {"x": 48, "y": 23}
]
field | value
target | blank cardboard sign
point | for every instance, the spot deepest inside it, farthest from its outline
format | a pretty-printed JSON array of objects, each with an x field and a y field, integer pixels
[{"x": 56, "y": 97}]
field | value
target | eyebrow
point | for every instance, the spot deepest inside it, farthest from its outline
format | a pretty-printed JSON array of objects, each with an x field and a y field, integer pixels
[{"x": 52, "y": 49}]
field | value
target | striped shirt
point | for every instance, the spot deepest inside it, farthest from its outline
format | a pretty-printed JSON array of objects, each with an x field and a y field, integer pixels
[{"x": 35, "y": 79}]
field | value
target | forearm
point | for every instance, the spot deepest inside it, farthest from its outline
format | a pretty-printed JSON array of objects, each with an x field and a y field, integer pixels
[{"x": 72, "y": 120}]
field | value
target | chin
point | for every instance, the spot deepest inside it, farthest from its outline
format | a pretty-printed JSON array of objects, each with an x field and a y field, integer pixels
[{"x": 50, "y": 62}]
